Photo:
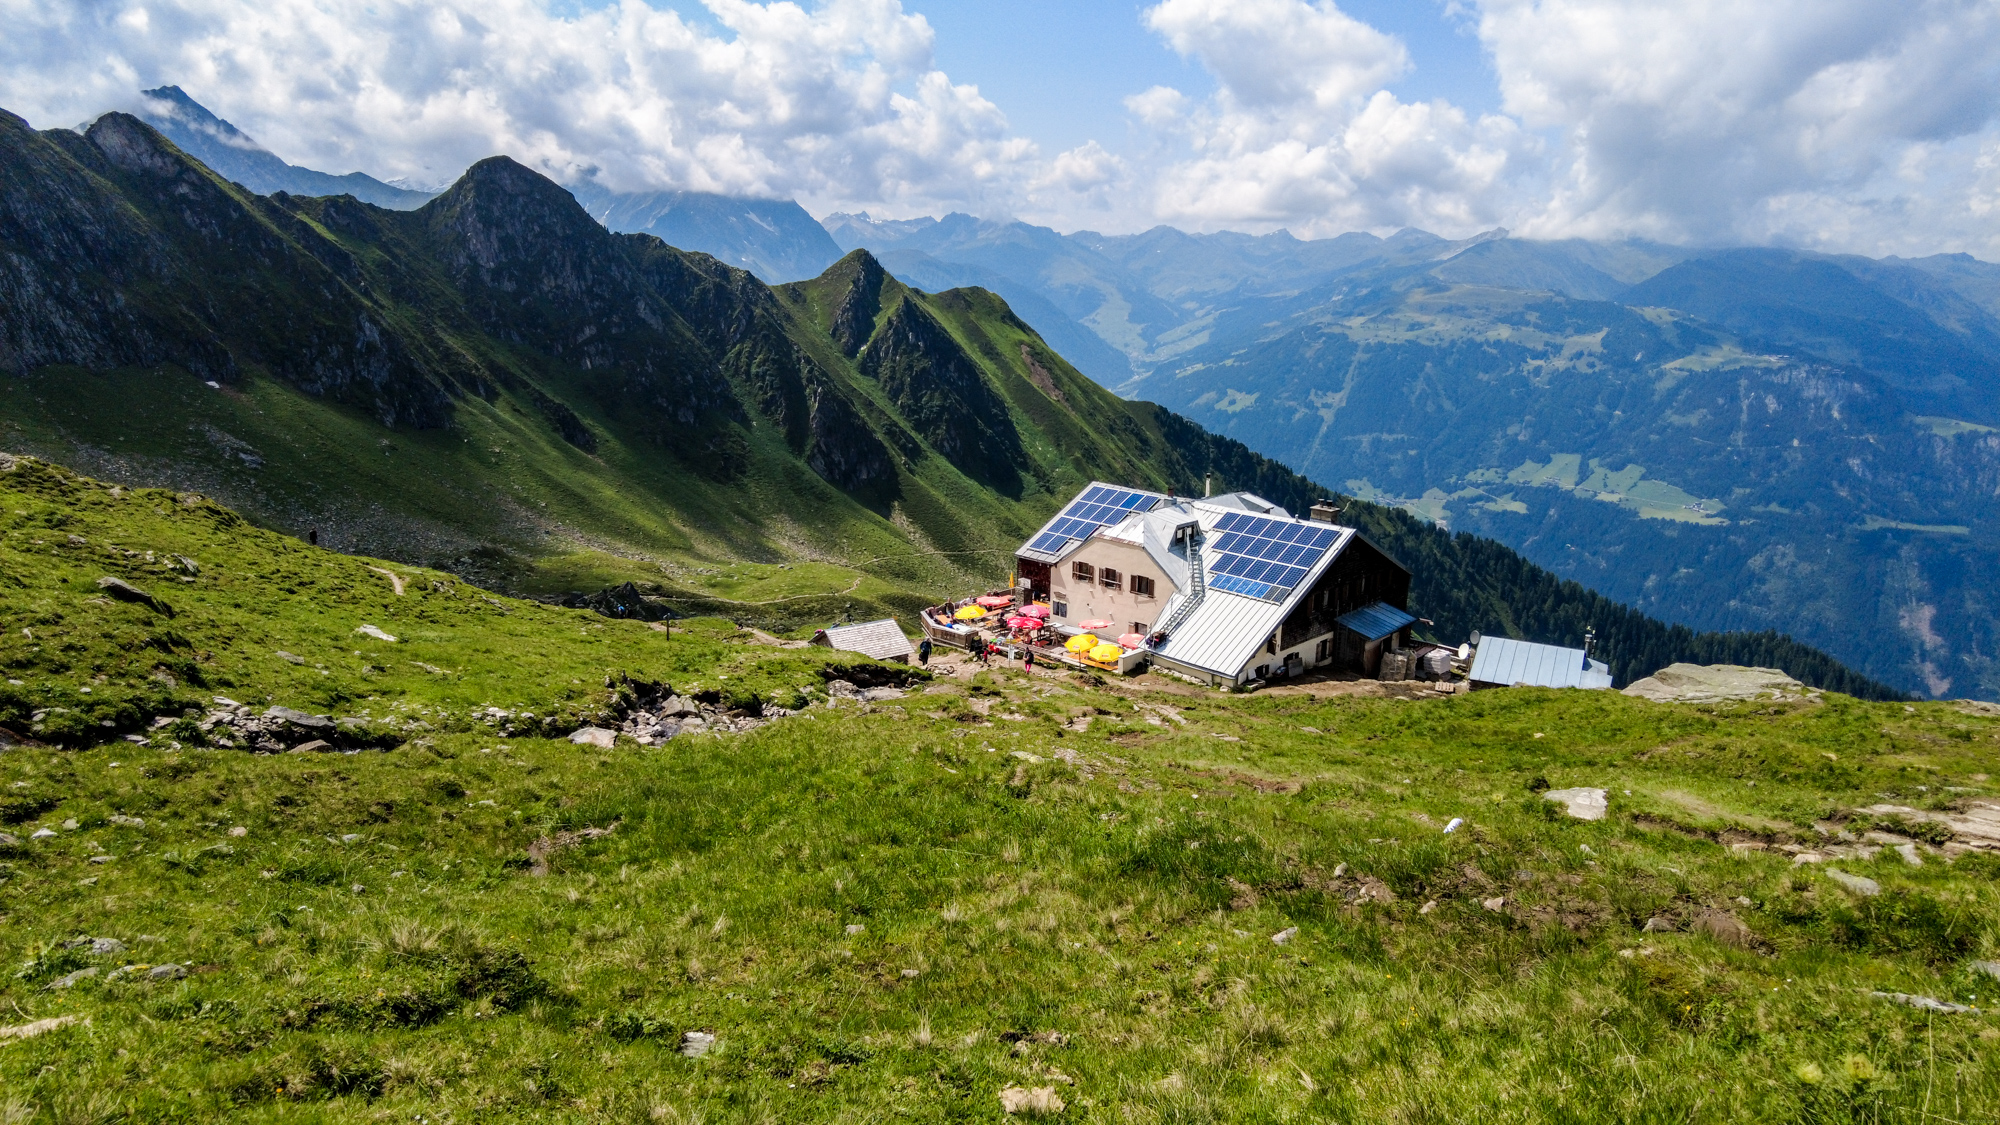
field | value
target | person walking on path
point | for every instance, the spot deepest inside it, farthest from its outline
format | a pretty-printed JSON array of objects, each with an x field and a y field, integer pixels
[
  {"x": 924, "y": 653},
  {"x": 1027, "y": 660}
]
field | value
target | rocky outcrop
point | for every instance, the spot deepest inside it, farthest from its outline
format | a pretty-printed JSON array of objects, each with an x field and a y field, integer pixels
[
  {"x": 940, "y": 390},
  {"x": 1718, "y": 683},
  {"x": 861, "y": 302}
]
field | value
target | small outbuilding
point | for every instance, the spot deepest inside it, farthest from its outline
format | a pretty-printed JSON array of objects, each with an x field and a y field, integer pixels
[
  {"x": 883, "y": 640},
  {"x": 1504, "y": 662}
]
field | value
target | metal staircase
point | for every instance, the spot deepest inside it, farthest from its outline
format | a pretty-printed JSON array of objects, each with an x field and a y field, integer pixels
[{"x": 1197, "y": 586}]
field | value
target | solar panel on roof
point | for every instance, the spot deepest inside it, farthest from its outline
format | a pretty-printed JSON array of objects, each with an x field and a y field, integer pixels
[{"x": 1260, "y": 557}]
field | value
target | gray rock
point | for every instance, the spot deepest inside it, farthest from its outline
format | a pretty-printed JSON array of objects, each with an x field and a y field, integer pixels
[
  {"x": 695, "y": 1044},
  {"x": 1909, "y": 854},
  {"x": 1927, "y": 1003},
  {"x": 128, "y": 821},
  {"x": 8, "y": 840},
  {"x": 1659, "y": 924},
  {"x": 1990, "y": 968},
  {"x": 880, "y": 694},
  {"x": 126, "y": 592},
  {"x": 106, "y": 946},
  {"x": 350, "y": 837},
  {"x": 842, "y": 689},
  {"x": 71, "y": 979},
  {"x": 1724, "y": 927},
  {"x": 100, "y": 859},
  {"x": 372, "y": 631},
  {"x": 167, "y": 972},
  {"x": 1285, "y": 936},
  {"x": 856, "y": 928},
  {"x": 69, "y": 825},
  {"x": 43, "y": 834},
  {"x": 286, "y": 715},
  {"x": 316, "y": 746},
  {"x": 595, "y": 736},
  {"x": 1583, "y": 804},
  {"x": 1718, "y": 683},
  {"x": 1859, "y": 884}
]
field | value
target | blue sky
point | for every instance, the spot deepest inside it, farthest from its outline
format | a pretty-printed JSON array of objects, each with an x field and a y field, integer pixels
[{"x": 1852, "y": 125}]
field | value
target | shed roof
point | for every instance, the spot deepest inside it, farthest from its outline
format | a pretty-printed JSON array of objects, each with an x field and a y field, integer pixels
[
  {"x": 883, "y": 640},
  {"x": 1502, "y": 660},
  {"x": 1375, "y": 620}
]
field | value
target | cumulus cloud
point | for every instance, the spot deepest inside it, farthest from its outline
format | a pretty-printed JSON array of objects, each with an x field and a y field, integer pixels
[
  {"x": 1862, "y": 124},
  {"x": 1301, "y": 133},
  {"x": 841, "y": 101}
]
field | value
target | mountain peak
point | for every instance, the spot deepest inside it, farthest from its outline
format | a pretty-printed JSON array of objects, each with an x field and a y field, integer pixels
[{"x": 861, "y": 300}]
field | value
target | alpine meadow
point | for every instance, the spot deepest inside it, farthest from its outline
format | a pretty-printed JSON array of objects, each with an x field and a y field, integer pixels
[{"x": 582, "y": 639}]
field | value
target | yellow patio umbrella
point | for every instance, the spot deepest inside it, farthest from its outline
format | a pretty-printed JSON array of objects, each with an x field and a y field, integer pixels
[
  {"x": 970, "y": 613},
  {"x": 1107, "y": 652},
  {"x": 1082, "y": 642}
]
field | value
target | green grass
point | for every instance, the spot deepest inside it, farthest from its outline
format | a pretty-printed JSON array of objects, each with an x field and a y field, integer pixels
[{"x": 1040, "y": 905}]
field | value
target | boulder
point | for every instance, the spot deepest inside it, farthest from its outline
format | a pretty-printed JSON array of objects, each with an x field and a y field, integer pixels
[
  {"x": 1718, "y": 683},
  {"x": 595, "y": 736},
  {"x": 1724, "y": 927},
  {"x": 1583, "y": 804},
  {"x": 1859, "y": 884},
  {"x": 285, "y": 716},
  {"x": 316, "y": 746},
  {"x": 126, "y": 592},
  {"x": 695, "y": 1044}
]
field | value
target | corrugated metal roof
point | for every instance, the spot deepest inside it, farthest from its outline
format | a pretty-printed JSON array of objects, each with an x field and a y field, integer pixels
[
  {"x": 1224, "y": 633},
  {"x": 1502, "y": 660},
  {"x": 1375, "y": 621},
  {"x": 883, "y": 640}
]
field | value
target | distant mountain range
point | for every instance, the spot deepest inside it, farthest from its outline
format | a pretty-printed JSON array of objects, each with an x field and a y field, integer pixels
[
  {"x": 235, "y": 155},
  {"x": 1734, "y": 438},
  {"x": 497, "y": 384}
]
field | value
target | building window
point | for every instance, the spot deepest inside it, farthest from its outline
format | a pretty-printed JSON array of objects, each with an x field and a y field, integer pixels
[
  {"x": 1325, "y": 650},
  {"x": 1061, "y": 606},
  {"x": 1109, "y": 578},
  {"x": 1142, "y": 586},
  {"x": 1082, "y": 571},
  {"x": 1271, "y": 645}
]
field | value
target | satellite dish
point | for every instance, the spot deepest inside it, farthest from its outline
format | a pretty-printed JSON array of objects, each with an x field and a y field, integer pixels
[{"x": 1475, "y": 637}]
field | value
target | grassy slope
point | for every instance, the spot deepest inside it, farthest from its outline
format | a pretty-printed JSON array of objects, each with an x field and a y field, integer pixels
[{"x": 1122, "y": 895}]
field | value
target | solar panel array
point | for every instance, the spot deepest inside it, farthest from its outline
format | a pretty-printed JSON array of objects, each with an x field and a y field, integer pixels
[
  {"x": 1097, "y": 507},
  {"x": 1265, "y": 558}
]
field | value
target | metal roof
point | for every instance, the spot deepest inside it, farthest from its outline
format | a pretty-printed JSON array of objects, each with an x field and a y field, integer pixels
[
  {"x": 1227, "y": 629},
  {"x": 1508, "y": 662},
  {"x": 883, "y": 640},
  {"x": 1375, "y": 620}
]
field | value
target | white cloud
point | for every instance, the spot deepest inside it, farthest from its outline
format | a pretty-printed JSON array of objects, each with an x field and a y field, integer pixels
[
  {"x": 838, "y": 102},
  {"x": 1301, "y": 133},
  {"x": 1850, "y": 124}
]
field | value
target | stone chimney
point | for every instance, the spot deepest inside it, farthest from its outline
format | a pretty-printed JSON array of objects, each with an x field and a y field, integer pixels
[{"x": 1325, "y": 512}]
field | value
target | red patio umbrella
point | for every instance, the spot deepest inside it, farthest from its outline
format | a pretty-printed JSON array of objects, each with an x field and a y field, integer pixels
[
  {"x": 1095, "y": 623},
  {"x": 995, "y": 601},
  {"x": 1023, "y": 622},
  {"x": 1035, "y": 610},
  {"x": 1133, "y": 640}
]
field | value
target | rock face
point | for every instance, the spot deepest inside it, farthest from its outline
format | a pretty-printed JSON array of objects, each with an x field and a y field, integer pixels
[
  {"x": 1718, "y": 683},
  {"x": 1976, "y": 825}
]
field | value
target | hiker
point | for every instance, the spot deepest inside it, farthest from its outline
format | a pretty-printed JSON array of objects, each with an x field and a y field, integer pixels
[
  {"x": 1028, "y": 660},
  {"x": 312, "y": 536},
  {"x": 924, "y": 653}
]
